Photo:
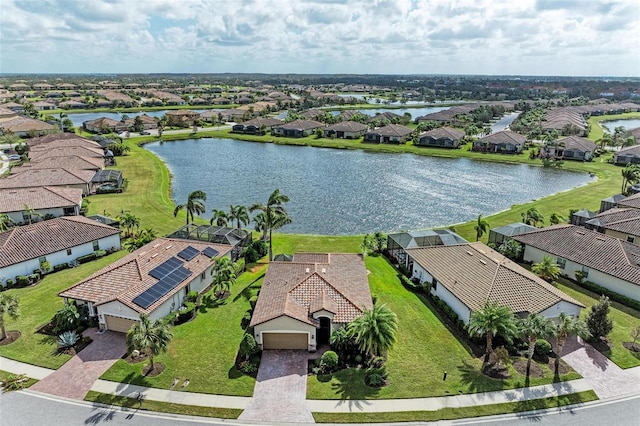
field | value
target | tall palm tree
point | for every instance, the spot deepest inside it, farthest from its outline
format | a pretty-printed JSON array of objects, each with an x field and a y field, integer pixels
[
  {"x": 491, "y": 321},
  {"x": 151, "y": 338},
  {"x": 240, "y": 214},
  {"x": 481, "y": 227},
  {"x": 630, "y": 176},
  {"x": 275, "y": 214},
  {"x": 219, "y": 217},
  {"x": 5, "y": 222},
  {"x": 375, "y": 330},
  {"x": 8, "y": 305},
  {"x": 532, "y": 328},
  {"x": 30, "y": 213},
  {"x": 532, "y": 217},
  {"x": 129, "y": 221},
  {"x": 547, "y": 269},
  {"x": 556, "y": 218},
  {"x": 260, "y": 221},
  {"x": 194, "y": 205},
  {"x": 605, "y": 140},
  {"x": 563, "y": 327},
  {"x": 225, "y": 275}
]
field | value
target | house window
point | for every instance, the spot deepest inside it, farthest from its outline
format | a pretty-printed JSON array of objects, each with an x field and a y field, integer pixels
[
  {"x": 96, "y": 246},
  {"x": 434, "y": 284},
  {"x": 203, "y": 275},
  {"x": 562, "y": 262},
  {"x": 585, "y": 271},
  {"x": 42, "y": 259},
  {"x": 631, "y": 238}
]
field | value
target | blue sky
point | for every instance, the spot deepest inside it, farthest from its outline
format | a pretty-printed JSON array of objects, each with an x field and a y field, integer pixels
[{"x": 526, "y": 37}]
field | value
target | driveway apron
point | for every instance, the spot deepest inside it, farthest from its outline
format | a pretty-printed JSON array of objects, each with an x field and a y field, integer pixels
[
  {"x": 605, "y": 377},
  {"x": 75, "y": 378},
  {"x": 281, "y": 389}
]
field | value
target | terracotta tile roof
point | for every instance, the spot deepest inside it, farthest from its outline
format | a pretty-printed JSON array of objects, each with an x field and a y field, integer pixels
[
  {"x": 41, "y": 152},
  {"x": 45, "y": 197},
  {"x": 301, "y": 125},
  {"x": 444, "y": 133},
  {"x": 49, "y": 236},
  {"x": 128, "y": 277},
  {"x": 476, "y": 274},
  {"x": 504, "y": 136},
  {"x": 262, "y": 121},
  {"x": 348, "y": 126},
  {"x": 392, "y": 130},
  {"x": 48, "y": 177},
  {"x": 588, "y": 248},
  {"x": 311, "y": 282},
  {"x": 61, "y": 139},
  {"x": 72, "y": 162}
]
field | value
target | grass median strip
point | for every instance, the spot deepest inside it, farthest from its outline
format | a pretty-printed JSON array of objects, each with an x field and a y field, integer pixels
[
  {"x": 162, "y": 407},
  {"x": 457, "y": 413}
]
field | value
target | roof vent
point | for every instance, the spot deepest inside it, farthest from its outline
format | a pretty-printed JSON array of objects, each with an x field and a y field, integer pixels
[
  {"x": 469, "y": 253},
  {"x": 324, "y": 270},
  {"x": 601, "y": 239},
  {"x": 156, "y": 245},
  {"x": 168, "y": 247},
  {"x": 154, "y": 255},
  {"x": 306, "y": 270},
  {"x": 580, "y": 232},
  {"x": 483, "y": 262}
]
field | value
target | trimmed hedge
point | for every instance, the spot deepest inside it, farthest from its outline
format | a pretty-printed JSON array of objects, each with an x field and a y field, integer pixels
[
  {"x": 60, "y": 267},
  {"x": 617, "y": 297},
  {"x": 22, "y": 281},
  {"x": 86, "y": 258},
  {"x": 186, "y": 314}
]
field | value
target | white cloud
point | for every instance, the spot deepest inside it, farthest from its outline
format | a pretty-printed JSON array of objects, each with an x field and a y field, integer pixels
[{"x": 574, "y": 37}]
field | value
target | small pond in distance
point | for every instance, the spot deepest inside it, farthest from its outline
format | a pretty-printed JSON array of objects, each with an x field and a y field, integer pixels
[{"x": 342, "y": 192}]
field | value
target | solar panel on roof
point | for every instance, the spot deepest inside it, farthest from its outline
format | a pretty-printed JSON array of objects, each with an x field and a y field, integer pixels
[
  {"x": 188, "y": 253},
  {"x": 165, "y": 268},
  {"x": 210, "y": 252},
  {"x": 143, "y": 300},
  {"x": 162, "y": 287}
]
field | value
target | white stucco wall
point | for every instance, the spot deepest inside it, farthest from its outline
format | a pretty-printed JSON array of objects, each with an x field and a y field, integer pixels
[
  {"x": 563, "y": 306},
  {"x": 532, "y": 254},
  {"x": 56, "y": 212},
  {"x": 454, "y": 303},
  {"x": 117, "y": 309},
  {"x": 285, "y": 324}
]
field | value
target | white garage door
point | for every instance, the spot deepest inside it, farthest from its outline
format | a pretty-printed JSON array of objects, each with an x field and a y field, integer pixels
[
  {"x": 118, "y": 324},
  {"x": 285, "y": 341}
]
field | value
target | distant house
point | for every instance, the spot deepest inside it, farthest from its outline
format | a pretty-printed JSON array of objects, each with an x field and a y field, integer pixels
[
  {"x": 468, "y": 276},
  {"x": 57, "y": 241},
  {"x": 442, "y": 137},
  {"x": 575, "y": 148},
  {"x": 611, "y": 202},
  {"x": 604, "y": 260},
  {"x": 399, "y": 243},
  {"x": 70, "y": 162},
  {"x": 31, "y": 178},
  {"x": 304, "y": 300},
  {"x": 628, "y": 155},
  {"x": 104, "y": 125},
  {"x": 392, "y": 133},
  {"x": 297, "y": 128},
  {"x": 153, "y": 280},
  {"x": 581, "y": 217},
  {"x": 622, "y": 223},
  {"x": 71, "y": 104},
  {"x": 256, "y": 126},
  {"x": 147, "y": 122},
  {"x": 23, "y": 126},
  {"x": 632, "y": 201},
  {"x": 181, "y": 117},
  {"x": 44, "y": 201},
  {"x": 498, "y": 236},
  {"x": 503, "y": 142},
  {"x": 385, "y": 117},
  {"x": 346, "y": 130},
  {"x": 43, "y": 106},
  {"x": 237, "y": 238}
]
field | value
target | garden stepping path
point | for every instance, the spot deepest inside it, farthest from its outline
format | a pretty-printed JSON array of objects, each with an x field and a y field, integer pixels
[{"x": 75, "y": 378}]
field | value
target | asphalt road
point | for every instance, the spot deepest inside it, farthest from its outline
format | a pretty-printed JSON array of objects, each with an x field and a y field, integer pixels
[{"x": 27, "y": 409}]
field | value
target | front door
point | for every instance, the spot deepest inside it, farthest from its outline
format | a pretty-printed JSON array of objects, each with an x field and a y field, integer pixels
[{"x": 325, "y": 331}]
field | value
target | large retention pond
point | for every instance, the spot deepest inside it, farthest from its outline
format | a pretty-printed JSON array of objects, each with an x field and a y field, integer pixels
[{"x": 338, "y": 192}]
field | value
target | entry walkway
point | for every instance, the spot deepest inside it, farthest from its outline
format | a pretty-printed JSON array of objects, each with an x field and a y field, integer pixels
[{"x": 75, "y": 378}]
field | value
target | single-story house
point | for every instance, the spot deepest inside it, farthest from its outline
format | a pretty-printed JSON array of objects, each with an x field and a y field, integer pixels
[
  {"x": 43, "y": 106},
  {"x": 467, "y": 277},
  {"x": 607, "y": 261},
  {"x": 397, "y": 244},
  {"x": 632, "y": 201},
  {"x": 104, "y": 125},
  {"x": 442, "y": 137},
  {"x": 258, "y": 125},
  {"x": 392, "y": 133},
  {"x": 503, "y": 142},
  {"x": 181, "y": 117},
  {"x": 297, "y": 128},
  {"x": 71, "y": 104},
  {"x": 303, "y": 301},
  {"x": 30, "y": 178},
  {"x": 147, "y": 121},
  {"x": 44, "y": 201},
  {"x": 153, "y": 280},
  {"x": 622, "y": 223},
  {"x": 575, "y": 148},
  {"x": 628, "y": 155},
  {"x": 23, "y": 126},
  {"x": 346, "y": 130},
  {"x": 57, "y": 241},
  {"x": 498, "y": 235},
  {"x": 71, "y": 162},
  {"x": 611, "y": 202},
  {"x": 385, "y": 117}
]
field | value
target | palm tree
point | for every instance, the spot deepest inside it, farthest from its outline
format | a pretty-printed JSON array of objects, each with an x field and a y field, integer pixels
[
  {"x": 260, "y": 221},
  {"x": 225, "y": 276},
  {"x": 630, "y": 176},
  {"x": 548, "y": 269},
  {"x": 8, "y": 305},
  {"x": 556, "y": 218},
  {"x": 532, "y": 328},
  {"x": 532, "y": 217},
  {"x": 30, "y": 213},
  {"x": 151, "y": 338},
  {"x": 375, "y": 330},
  {"x": 563, "y": 327},
  {"x": 275, "y": 214},
  {"x": 219, "y": 217},
  {"x": 481, "y": 227},
  {"x": 240, "y": 214},
  {"x": 5, "y": 222},
  {"x": 193, "y": 205},
  {"x": 605, "y": 140},
  {"x": 129, "y": 221},
  {"x": 491, "y": 321}
]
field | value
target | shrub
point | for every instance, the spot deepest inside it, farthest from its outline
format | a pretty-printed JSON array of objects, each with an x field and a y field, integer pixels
[
  {"x": 45, "y": 266},
  {"x": 86, "y": 258},
  {"x": 68, "y": 339},
  {"x": 66, "y": 318},
  {"x": 22, "y": 281},
  {"x": 252, "y": 301},
  {"x": 60, "y": 267},
  {"x": 376, "y": 362},
  {"x": 170, "y": 318},
  {"x": 260, "y": 247},
  {"x": 248, "y": 346},
  {"x": 185, "y": 313},
  {"x": 9, "y": 283},
  {"x": 239, "y": 266},
  {"x": 329, "y": 360},
  {"x": 250, "y": 255},
  {"x": 375, "y": 378},
  {"x": 246, "y": 320},
  {"x": 250, "y": 366},
  {"x": 617, "y": 297},
  {"x": 542, "y": 348},
  {"x": 404, "y": 271},
  {"x": 192, "y": 296},
  {"x": 100, "y": 253}
]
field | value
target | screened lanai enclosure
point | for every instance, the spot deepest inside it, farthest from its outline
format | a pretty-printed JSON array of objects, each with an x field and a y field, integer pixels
[
  {"x": 398, "y": 243},
  {"x": 237, "y": 238}
]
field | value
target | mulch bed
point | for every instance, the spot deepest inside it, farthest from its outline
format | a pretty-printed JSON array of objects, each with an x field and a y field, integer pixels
[
  {"x": 520, "y": 365},
  {"x": 82, "y": 343},
  {"x": 563, "y": 368},
  {"x": 135, "y": 359},
  {"x": 631, "y": 347},
  {"x": 157, "y": 370},
  {"x": 12, "y": 336},
  {"x": 496, "y": 372},
  {"x": 222, "y": 296}
]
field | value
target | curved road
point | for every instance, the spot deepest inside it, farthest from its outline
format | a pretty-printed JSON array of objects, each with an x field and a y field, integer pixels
[{"x": 33, "y": 409}]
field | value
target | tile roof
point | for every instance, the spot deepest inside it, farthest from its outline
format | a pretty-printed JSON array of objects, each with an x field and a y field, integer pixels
[
  {"x": 348, "y": 126},
  {"x": 47, "y": 177},
  {"x": 444, "y": 133},
  {"x": 41, "y": 152},
  {"x": 576, "y": 143},
  {"x": 392, "y": 130},
  {"x": 128, "y": 277},
  {"x": 44, "y": 197},
  {"x": 60, "y": 139},
  {"x": 301, "y": 125},
  {"x": 504, "y": 136},
  {"x": 49, "y": 236},
  {"x": 476, "y": 274},
  {"x": 72, "y": 162},
  {"x": 311, "y": 282},
  {"x": 632, "y": 201},
  {"x": 592, "y": 249}
]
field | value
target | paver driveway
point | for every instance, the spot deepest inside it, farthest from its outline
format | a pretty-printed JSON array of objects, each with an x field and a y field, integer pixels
[
  {"x": 75, "y": 378},
  {"x": 281, "y": 389}
]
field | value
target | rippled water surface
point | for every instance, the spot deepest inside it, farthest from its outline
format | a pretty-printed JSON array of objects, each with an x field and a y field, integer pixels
[{"x": 337, "y": 192}]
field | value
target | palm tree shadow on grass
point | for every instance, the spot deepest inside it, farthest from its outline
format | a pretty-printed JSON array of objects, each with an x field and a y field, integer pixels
[
  {"x": 105, "y": 414},
  {"x": 249, "y": 290},
  {"x": 476, "y": 381},
  {"x": 352, "y": 390}
]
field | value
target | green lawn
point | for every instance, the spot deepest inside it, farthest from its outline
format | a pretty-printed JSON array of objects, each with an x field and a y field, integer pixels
[
  {"x": 624, "y": 320},
  {"x": 203, "y": 350},
  {"x": 596, "y": 131},
  {"x": 4, "y": 375},
  {"x": 425, "y": 349},
  {"x": 456, "y": 413},
  {"x": 38, "y": 304}
]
